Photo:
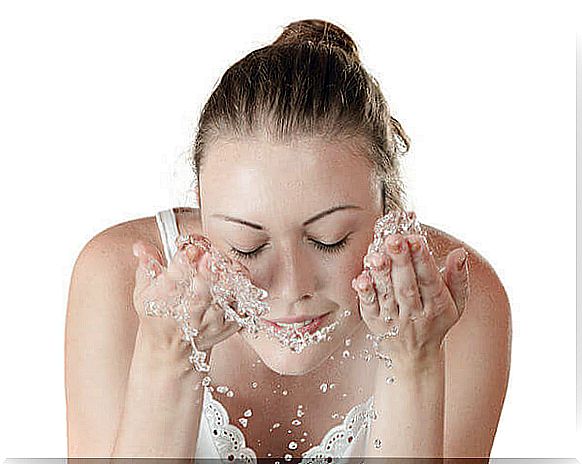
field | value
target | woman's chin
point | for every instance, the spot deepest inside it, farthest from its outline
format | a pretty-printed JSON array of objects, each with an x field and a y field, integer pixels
[{"x": 283, "y": 361}]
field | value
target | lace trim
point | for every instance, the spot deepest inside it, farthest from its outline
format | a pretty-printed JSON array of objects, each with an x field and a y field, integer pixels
[
  {"x": 228, "y": 439},
  {"x": 340, "y": 437},
  {"x": 231, "y": 446}
]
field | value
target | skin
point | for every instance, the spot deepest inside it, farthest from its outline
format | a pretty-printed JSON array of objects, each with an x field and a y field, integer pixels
[{"x": 279, "y": 187}]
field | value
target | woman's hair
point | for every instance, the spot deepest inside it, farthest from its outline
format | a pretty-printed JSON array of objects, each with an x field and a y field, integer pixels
[{"x": 309, "y": 83}]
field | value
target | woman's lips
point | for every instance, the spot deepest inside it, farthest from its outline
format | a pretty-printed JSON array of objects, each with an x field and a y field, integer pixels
[{"x": 309, "y": 328}]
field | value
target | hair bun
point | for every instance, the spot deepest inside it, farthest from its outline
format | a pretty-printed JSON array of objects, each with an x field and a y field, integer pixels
[{"x": 317, "y": 31}]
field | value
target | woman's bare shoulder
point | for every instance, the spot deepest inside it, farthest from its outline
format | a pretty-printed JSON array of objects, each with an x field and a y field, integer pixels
[
  {"x": 442, "y": 243},
  {"x": 116, "y": 241}
]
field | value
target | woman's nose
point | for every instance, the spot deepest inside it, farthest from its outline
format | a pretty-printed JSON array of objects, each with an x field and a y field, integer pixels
[{"x": 294, "y": 278}]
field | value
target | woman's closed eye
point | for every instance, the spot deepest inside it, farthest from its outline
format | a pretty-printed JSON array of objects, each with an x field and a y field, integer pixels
[{"x": 325, "y": 247}]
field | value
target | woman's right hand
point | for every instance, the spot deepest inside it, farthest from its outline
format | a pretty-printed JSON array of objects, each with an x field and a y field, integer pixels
[{"x": 153, "y": 282}]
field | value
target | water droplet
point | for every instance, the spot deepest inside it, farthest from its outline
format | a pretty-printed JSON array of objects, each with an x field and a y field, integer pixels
[
  {"x": 377, "y": 443},
  {"x": 248, "y": 413},
  {"x": 305, "y": 434},
  {"x": 300, "y": 413},
  {"x": 323, "y": 388},
  {"x": 292, "y": 445},
  {"x": 222, "y": 389},
  {"x": 254, "y": 385},
  {"x": 284, "y": 392},
  {"x": 348, "y": 342},
  {"x": 302, "y": 440},
  {"x": 335, "y": 415},
  {"x": 390, "y": 380},
  {"x": 331, "y": 386},
  {"x": 347, "y": 313},
  {"x": 206, "y": 381},
  {"x": 276, "y": 425},
  {"x": 230, "y": 393},
  {"x": 244, "y": 422},
  {"x": 288, "y": 457},
  {"x": 295, "y": 422},
  {"x": 288, "y": 431},
  {"x": 344, "y": 395}
]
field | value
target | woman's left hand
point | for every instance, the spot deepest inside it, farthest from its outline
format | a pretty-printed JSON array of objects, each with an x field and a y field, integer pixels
[{"x": 406, "y": 300}]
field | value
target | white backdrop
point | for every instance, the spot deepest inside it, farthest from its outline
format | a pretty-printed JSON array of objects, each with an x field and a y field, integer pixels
[{"x": 99, "y": 99}]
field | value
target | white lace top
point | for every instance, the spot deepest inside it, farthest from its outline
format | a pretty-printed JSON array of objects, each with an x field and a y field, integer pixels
[{"x": 219, "y": 439}]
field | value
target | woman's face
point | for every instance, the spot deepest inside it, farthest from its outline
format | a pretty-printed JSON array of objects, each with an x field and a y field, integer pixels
[{"x": 300, "y": 218}]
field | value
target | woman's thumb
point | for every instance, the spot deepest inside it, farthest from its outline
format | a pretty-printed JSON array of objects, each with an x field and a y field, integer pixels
[{"x": 148, "y": 265}]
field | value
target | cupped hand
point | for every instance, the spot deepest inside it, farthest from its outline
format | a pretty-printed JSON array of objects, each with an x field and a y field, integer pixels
[
  {"x": 406, "y": 302},
  {"x": 184, "y": 283}
]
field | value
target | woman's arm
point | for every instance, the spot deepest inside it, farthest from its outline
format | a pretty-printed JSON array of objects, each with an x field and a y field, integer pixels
[
  {"x": 410, "y": 411},
  {"x": 470, "y": 370},
  {"x": 163, "y": 404},
  {"x": 107, "y": 360}
]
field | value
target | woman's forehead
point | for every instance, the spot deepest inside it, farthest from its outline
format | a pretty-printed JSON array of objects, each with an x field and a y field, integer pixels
[{"x": 312, "y": 164}]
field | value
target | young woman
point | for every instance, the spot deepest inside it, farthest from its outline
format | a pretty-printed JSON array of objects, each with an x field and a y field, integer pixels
[{"x": 296, "y": 158}]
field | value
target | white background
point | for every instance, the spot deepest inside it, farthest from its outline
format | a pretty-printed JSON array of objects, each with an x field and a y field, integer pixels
[{"x": 98, "y": 100}]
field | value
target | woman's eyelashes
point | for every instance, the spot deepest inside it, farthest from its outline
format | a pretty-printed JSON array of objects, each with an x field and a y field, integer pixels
[{"x": 324, "y": 247}]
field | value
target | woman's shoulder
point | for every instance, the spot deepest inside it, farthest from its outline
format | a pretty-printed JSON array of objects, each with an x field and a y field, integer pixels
[
  {"x": 442, "y": 243},
  {"x": 486, "y": 291},
  {"x": 113, "y": 246}
]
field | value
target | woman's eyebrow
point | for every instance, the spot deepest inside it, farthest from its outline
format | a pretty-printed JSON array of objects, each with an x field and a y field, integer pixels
[{"x": 307, "y": 222}]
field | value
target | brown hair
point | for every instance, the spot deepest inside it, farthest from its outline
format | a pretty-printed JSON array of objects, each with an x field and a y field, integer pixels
[{"x": 308, "y": 83}]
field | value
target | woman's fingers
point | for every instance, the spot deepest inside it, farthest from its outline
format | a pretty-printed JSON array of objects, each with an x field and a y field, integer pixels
[
  {"x": 403, "y": 276},
  {"x": 363, "y": 285},
  {"x": 432, "y": 288},
  {"x": 149, "y": 264},
  {"x": 381, "y": 267},
  {"x": 457, "y": 277}
]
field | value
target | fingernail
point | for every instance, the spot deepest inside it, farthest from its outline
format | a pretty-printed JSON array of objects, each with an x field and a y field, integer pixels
[
  {"x": 414, "y": 244},
  {"x": 363, "y": 282},
  {"x": 395, "y": 244},
  {"x": 462, "y": 260}
]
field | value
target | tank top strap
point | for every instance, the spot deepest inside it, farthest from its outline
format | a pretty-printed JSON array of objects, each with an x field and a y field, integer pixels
[{"x": 168, "y": 229}]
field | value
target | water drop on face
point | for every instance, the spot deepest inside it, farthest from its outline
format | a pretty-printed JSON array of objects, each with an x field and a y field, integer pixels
[
  {"x": 254, "y": 385},
  {"x": 288, "y": 457},
  {"x": 331, "y": 386},
  {"x": 206, "y": 381},
  {"x": 230, "y": 393},
  {"x": 222, "y": 389},
  {"x": 348, "y": 342},
  {"x": 244, "y": 422},
  {"x": 302, "y": 440},
  {"x": 296, "y": 422},
  {"x": 276, "y": 425},
  {"x": 335, "y": 415},
  {"x": 304, "y": 434},
  {"x": 390, "y": 380},
  {"x": 248, "y": 413},
  {"x": 323, "y": 388},
  {"x": 377, "y": 443},
  {"x": 300, "y": 413},
  {"x": 285, "y": 392},
  {"x": 292, "y": 445},
  {"x": 288, "y": 431}
]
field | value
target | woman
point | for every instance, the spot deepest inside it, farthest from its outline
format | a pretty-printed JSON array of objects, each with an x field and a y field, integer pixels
[{"x": 297, "y": 158}]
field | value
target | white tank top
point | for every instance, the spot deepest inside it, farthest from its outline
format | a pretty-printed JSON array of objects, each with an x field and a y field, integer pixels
[{"x": 219, "y": 439}]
